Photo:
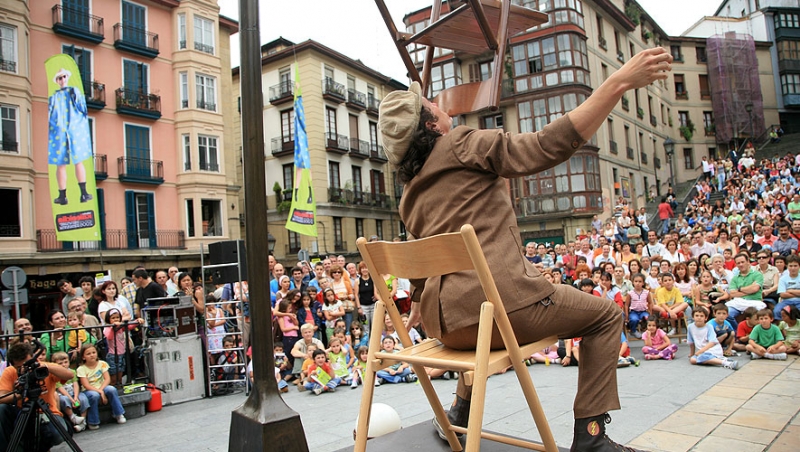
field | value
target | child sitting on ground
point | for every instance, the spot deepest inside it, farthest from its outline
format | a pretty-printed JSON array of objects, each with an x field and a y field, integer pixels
[
  {"x": 722, "y": 328},
  {"x": 360, "y": 366},
  {"x": 657, "y": 344},
  {"x": 338, "y": 358},
  {"x": 703, "y": 345},
  {"x": 70, "y": 395},
  {"x": 547, "y": 356},
  {"x": 308, "y": 361},
  {"x": 625, "y": 358},
  {"x": 320, "y": 375},
  {"x": 790, "y": 328},
  {"x": 766, "y": 339},
  {"x": 229, "y": 360},
  {"x": 358, "y": 336},
  {"x": 569, "y": 351},
  {"x": 412, "y": 332},
  {"x": 397, "y": 372},
  {"x": 281, "y": 363},
  {"x": 744, "y": 329}
]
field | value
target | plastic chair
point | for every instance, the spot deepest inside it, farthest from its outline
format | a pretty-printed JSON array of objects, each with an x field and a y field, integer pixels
[
  {"x": 434, "y": 256},
  {"x": 486, "y": 29}
]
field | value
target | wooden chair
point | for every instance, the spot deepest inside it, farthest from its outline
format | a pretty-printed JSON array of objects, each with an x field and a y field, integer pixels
[
  {"x": 441, "y": 255},
  {"x": 486, "y": 29}
]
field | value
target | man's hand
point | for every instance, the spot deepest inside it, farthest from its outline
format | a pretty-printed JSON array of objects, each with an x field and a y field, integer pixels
[{"x": 415, "y": 316}]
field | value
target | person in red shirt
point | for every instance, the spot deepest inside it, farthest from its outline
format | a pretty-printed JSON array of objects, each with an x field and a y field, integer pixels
[
  {"x": 665, "y": 213},
  {"x": 745, "y": 328}
]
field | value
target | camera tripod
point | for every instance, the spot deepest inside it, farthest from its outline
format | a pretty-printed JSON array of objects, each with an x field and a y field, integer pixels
[{"x": 28, "y": 415}]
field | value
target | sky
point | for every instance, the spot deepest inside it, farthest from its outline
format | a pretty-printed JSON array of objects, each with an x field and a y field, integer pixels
[{"x": 356, "y": 29}]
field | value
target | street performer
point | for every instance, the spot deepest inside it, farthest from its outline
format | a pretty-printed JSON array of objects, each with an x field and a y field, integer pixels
[{"x": 456, "y": 177}]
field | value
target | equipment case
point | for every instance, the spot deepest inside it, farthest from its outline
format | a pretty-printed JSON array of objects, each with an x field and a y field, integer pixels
[{"x": 176, "y": 366}]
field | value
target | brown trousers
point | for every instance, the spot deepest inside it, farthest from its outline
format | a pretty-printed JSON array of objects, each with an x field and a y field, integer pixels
[{"x": 568, "y": 313}]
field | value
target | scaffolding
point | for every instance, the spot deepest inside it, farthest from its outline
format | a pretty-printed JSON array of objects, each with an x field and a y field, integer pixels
[{"x": 735, "y": 87}]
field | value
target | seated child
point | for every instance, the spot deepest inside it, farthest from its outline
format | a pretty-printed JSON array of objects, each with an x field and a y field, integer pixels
[
  {"x": 281, "y": 363},
  {"x": 359, "y": 337},
  {"x": 744, "y": 329},
  {"x": 229, "y": 360},
  {"x": 569, "y": 351},
  {"x": 703, "y": 345},
  {"x": 95, "y": 381},
  {"x": 722, "y": 328},
  {"x": 396, "y": 372},
  {"x": 360, "y": 366},
  {"x": 71, "y": 395},
  {"x": 413, "y": 333},
  {"x": 338, "y": 359},
  {"x": 320, "y": 375},
  {"x": 657, "y": 344},
  {"x": 766, "y": 339},
  {"x": 669, "y": 301},
  {"x": 625, "y": 358},
  {"x": 638, "y": 305},
  {"x": 546, "y": 356},
  {"x": 307, "y": 363},
  {"x": 790, "y": 328},
  {"x": 586, "y": 285},
  {"x": 300, "y": 350}
]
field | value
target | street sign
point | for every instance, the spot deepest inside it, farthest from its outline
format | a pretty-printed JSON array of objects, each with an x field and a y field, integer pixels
[
  {"x": 303, "y": 255},
  {"x": 9, "y": 298},
  {"x": 13, "y": 277}
]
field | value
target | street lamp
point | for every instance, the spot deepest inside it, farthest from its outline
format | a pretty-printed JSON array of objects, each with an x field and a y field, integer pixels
[
  {"x": 669, "y": 149},
  {"x": 271, "y": 242},
  {"x": 749, "y": 109}
]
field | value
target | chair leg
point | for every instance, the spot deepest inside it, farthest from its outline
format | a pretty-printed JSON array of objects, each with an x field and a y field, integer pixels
[
  {"x": 436, "y": 405},
  {"x": 362, "y": 429},
  {"x": 478, "y": 399},
  {"x": 535, "y": 406}
]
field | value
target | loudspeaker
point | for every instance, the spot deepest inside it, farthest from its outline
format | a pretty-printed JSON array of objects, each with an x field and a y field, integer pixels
[{"x": 227, "y": 252}]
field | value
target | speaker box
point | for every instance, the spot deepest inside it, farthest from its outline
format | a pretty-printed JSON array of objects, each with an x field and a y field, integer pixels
[{"x": 227, "y": 252}]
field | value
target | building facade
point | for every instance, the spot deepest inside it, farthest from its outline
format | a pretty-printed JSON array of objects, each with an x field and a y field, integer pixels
[
  {"x": 353, "y": 187},
  {"x": 156, "y": 74}
]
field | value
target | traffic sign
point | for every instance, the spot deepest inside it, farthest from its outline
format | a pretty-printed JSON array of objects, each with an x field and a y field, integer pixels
[
  {"x": 9, "y": 297},
  {"x": 13, "y": 277}
]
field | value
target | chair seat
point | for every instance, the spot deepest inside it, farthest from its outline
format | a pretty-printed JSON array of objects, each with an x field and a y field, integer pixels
[
  {"x": 465, "y": 98},
  {"x": 462, "y": 33},
  {"x": 432, "y": 353}
]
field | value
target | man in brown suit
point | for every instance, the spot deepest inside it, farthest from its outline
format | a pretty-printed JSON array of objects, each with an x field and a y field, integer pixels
[{"x": 455, "y": 177}]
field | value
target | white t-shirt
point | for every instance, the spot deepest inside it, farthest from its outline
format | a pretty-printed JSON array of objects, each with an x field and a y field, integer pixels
[
  {"x": 121, "y": 303},
  {"x": 700, "y": 337},
  {"x": 331, "y": 308}
]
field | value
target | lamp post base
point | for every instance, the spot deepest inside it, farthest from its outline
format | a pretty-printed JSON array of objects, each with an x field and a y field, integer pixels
[{"x": 265, "y": 424}]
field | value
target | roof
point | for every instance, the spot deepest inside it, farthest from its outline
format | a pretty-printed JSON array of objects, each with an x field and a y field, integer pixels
[{"x": 231, "y": 24}]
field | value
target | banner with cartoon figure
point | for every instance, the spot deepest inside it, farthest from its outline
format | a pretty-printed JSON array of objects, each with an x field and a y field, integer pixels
[{"x": 69, "y": 153}]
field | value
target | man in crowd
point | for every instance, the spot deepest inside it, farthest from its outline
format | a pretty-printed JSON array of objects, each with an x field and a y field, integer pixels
[
  {"x": 744, "y": 290},
  {"x": 785, "y": 244},
  {"x": 146, "y": 287},
  {"x": 69, "y": 293}
]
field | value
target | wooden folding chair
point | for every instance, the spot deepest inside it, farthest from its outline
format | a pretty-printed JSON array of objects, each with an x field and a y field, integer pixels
[
  {"x": 486, "y": 29},
  {"x": 434, "y": 256}
]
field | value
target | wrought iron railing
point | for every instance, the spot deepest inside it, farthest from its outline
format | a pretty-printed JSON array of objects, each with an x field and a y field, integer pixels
[
  {"x": 209, "y": 166},
  {"x": 70, "y": 19},
  {"x": 94, "y": 92},
  {"x": 332, "y": 88},
  {"x": 346, "y": 197},
  {"x": 336, "y": 141},
  {"x": 282, "y": 144},
  {"x": 356, "y": 98},
  {"x": 138, "y": 100},
  {"x": 376, "y": 152},
  {"x": 11, "y": 147},
  {"x": 372, "y": 104},
  {"x": 282, "y": 90},
  {"x": 208, "y": 106},
  {"x": 114, "y": 239},
  {"x": 359, "y": 147},
  {"x": 100, "y": 166},
  {"x": 8, "y": 65},
  {"x": 136, "y": 37},
  {"x": 10, "y": 230},
  {"x": 205, "y": 48},
  {"x": 139, "y": 169}
]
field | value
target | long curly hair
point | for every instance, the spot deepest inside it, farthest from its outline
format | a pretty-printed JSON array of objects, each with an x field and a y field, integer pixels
[{"x": 421, "y": 146}]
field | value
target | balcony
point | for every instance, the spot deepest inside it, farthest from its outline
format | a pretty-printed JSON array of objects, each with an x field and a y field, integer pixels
[
  {"x": 359, "y": 148},
  {"x": 281, "y": 93},
  {"x": 788, "y": 66},
  {"x": 8, "y": 65},
  {"x": 677, "y": 58},
  {"x": 653, "y": 120},
  {"x": 643, "y": 156},
  {"x": 356, "y": 100},
  {"x": 710, "y": 130},
  {"x": 358, "y": 198},
  {"x": 135, "y": 40},
  {"x": 142, "y": 171},
  {"x": 282, "y": 146},
  {"x": 629, "y": 152},
  {"x": 782, "y": 33},
  {"x": 333, "y": 91},
  {"x": 625, "y": 104},
  {"x": 95, "y": 94},
  {"x": 100, "y": 167},
  {"x": 376, "y": 154},
  {"x": 373, "y": 105},
  {"x": 9, "y": 147},
  {"x": 620, "y": 56},
  {"x": 561, "y": 205},
  {"x": 601, "y": 41},
  {"x": 705, "y": 94},
  {"x": 702, "y": 59},
  {"x": 640, "y": 113},
  {"x": 136, "y": 103},
  {"x": 207, "y": 106},
  {"x": 114, "y": 239},
  {"x": 78, "y": 24},
  {"x": 791, "y": 100},
  {"x": 681, "y": 95},
  {"x": 205, "y": 48},
  {"x": 612, "y": 147},
  {"x": 209, "y": 166},
  {"x": 657, "y": 162},
  {"x": 336, "y": 143}
]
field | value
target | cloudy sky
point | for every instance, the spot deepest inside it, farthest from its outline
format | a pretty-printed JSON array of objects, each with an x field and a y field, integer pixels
[{"x": 355, "y": 28}]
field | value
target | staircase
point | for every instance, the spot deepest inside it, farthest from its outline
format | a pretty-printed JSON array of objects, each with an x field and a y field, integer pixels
[
  {"x": 789, "y": 143},
  {"x": 684, "y": 192}
]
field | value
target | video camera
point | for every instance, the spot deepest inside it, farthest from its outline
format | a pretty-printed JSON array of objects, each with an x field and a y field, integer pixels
[{"x": 32, "y": 374}]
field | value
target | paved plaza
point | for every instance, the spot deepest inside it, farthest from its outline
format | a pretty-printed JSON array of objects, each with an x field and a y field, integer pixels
[{"x": 666, "y": 406}]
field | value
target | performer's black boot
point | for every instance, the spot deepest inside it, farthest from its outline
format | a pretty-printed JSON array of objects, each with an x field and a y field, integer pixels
[
  {"x": 62, "y": 198},
  {"x": 84, "y": 195},
  {"x": 458, "y": 416},
  {"x": 590, "y": 436}
]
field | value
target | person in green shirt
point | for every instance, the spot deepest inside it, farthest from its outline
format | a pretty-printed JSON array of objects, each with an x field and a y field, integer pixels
[
  {"x": 794, "y": 207},
  {"x": 744, "y": 290},
  {"x": 766, "y": 339}
]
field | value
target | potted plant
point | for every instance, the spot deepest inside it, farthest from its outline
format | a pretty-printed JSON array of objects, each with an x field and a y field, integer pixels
[
  {"x": 277, "y": 189},
  {"x": 640, "y": 112},
  {"x": 688, "y": 130}
]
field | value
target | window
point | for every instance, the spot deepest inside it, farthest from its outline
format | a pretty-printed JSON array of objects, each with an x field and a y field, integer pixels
[
  {"x": 563, "y": 51},
  {"x": 8, "y": 48},
  {"x": 790, "y": 83},
  {"x": 10, "y": 224},
  {"x": 329, "y": 72},
  {"x": 379, "y": 229},
  {"x": 445, "y": 76},
  {"x": 611, "y": 142},
  {"x": 357, "y": 184},
  {"x": 190, "y": 217},
  {"x": 294, "y": 242},
  {"x": 493, "y": 122},
  {"x": 211, "y": 217},
  {"x": 600, "y": 33},
  {"x": 676, "y": 53},
  {"x": 700, "y": 52},
  {"x": 204, "y": 35},
  {"x": 628, "y": 148},
  {"x": 206, "y": 92},
  {"x": 683, "y": 118},
  {"x": 359, "y": 227},
  {"x": 378, "y": 185},
  {"x": 10, "y": 126},
  {"x": 787, "y": 20},
  {"x": 688, "y": 158},
  {"x": 135, "y": 78},
  {"x": 708, "y": 123},
  {"x": 680, "y": 87},
  {"x": 338, "y": 242},
  {"x": 288, "y": 176},
  {"x": 486, "y": 70},
  {"x": 83, "y": 58},
  {"x": 788, "y": 50},
  {"x": 633, "y": 50},
  {"x": 187, "y": 152},
  {"x": 287, "y": 125},
  {"x": 615, "y": 174},
  {"x": 525, "y": 119},
  {"x": 333, "y": 175},
  {"x": 184, "y": 90},
  {"x": 140, "y": 213},
  {"x": 181, "y": 31},
  {"x": 330, "y": 122},
  {"x": 705, "y": 91},
  {"x": 604, "y": 71},
  {"x": 207, "y": 147},
  {"x": 618, "y": 45},
  {"x": 137, "y": 150},
  {"x": 373, "y": 136},
  {"x": 546, "y": 110}
]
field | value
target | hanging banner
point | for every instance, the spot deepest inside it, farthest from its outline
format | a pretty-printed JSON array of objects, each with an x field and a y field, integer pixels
[
  {"x": 69, "y": 154},
  {"x": 303, "y": 214}
]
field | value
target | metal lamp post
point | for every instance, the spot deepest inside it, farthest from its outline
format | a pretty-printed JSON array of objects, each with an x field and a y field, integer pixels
[
  {"x": 669, "y": 149},
  {"x": 749, "y": 109},
  {"x": 271, "y": 242}
]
